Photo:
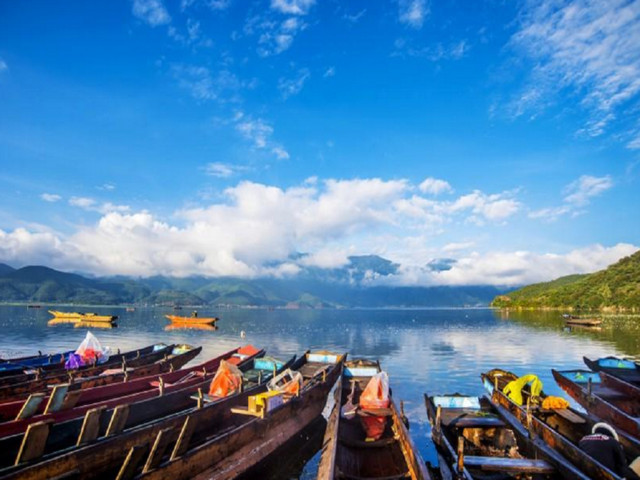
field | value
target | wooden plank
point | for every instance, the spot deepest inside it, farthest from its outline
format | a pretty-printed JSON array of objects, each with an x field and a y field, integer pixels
[
  {"x": 183, "y": 440},
  {"x": 570, "y": 416},
  {"x": 33, "y": 442},
  {"x": 502, "y": 464},
  {"x": 130, "y": 464},
  {"x": 159, "y": 447},
  {"x": 118, "y": 420},
  {"x": 30, "y": 406},
  {"x": 90, "y": 426},
  {"x": 56, "y": 398}
]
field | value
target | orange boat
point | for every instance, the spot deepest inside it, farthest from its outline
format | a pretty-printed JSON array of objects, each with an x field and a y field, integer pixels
[{"x": 193, "y": 319}]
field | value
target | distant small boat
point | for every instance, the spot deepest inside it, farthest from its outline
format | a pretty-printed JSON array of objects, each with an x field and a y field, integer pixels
[
  {"x": 82, "y": 316},
  {"x": 585, "y": 322},
  {"x": 130, "y": 309},
  {"x": 34, "y": 306},
  {"x": 193, "y": 320}
]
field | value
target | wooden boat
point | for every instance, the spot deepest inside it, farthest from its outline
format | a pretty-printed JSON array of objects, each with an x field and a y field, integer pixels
[
  {"x": 192, "y": 320},
  {"x": 160, "y": 422},
  {"x": 561, "y": 429},
  {"x": 17, "y": 385},
  {"x": 632, "y": 390},
  {"x": 583, "y": 322},
  {"x": 604, "y": 402},
  {"x": 475, "y": 439},
  {"x": 68, "y": 398},
  {"x": 36, "y": 360},
  {"x": 623, "y": 368},
  {"x": 345, "y": 452},
  {"x": 86, "y": 316}
]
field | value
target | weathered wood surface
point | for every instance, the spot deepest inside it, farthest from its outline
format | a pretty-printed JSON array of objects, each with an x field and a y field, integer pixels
[
  {"x": 629, "y": 389},
  {"x": 150, "y": 418},
  {"x": 610, "y": 405},
  {"x": 326, "y": 469},
  {"x": 554, "y": 430}
]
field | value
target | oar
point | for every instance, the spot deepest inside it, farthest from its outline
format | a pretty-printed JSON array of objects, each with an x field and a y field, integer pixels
[{"x": 349, "y": 409}]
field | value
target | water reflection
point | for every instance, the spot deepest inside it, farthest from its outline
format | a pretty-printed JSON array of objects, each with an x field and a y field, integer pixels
[{"x": 434, "y": 351}]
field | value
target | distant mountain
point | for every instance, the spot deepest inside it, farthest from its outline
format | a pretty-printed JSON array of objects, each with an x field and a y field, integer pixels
[
  {"x": 615, "y": 288},
  {"x": 313, "y": 288},
  {"x": 4, "y": 269}
]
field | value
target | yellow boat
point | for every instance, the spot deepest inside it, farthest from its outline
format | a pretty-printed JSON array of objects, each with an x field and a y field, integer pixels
[{"x": 82, "y": 316}]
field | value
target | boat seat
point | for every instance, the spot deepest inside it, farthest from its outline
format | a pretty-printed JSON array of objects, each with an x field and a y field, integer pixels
[
  {"x": 501, "y": 464},
  {"x": 565, "y": 413}
]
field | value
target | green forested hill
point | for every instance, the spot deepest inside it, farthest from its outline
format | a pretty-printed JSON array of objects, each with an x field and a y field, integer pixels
[{"x": 615, "y": 288}]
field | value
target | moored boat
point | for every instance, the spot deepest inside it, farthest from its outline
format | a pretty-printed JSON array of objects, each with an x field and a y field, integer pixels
[
  {"x": 347, "y": 453},
  {"x": 583, "y": 322},
  {"x": 86, "y": 316},
  {"x": 160, "y": 420},
  {"x": 475, "y": 439},
  {"x": 561, "y": 428},
  {"x": 623, "y": 368},
  {"x": 611, "y": 405},
  {"x": 632, "y": 390},
  {"x": 193, "y": 320}
]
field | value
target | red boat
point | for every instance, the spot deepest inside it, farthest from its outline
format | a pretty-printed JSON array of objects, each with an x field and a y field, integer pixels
[{"x": 130, "y": 392}]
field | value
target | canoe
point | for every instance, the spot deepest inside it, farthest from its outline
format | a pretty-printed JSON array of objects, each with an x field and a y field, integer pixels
[
  {"x": 30, "y": 383},
  {"x": 632, "y": 390},
  {"x": 35, "y": 360},
  {"x": 584, "y": 322},
  {"x": 625, "y": 369},
  {"x": 561, "y": 429},
  {"x": 192, "y": 320},
  {"x": 72, "y": 399},
  {"x": 161, "y": 418},
  {"x": 611, "y": 405},
  {"x": 345, "y": 452},
  {"x": 241, "y": 438},
  {"x": 475, "y": 438},
  {"x": 86, "y": 316}
]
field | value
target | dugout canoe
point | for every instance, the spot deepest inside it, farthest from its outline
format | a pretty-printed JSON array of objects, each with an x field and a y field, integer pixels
[
  {"x": 39, "y": 381},
  {"x": 623, "y": 368},
  {"x": 583, "y": 322},
  {"x": 70, "y": 452},
  {"x": 476, "y": 439},
  {"x": 561, "y": 429},
  {"x": 65, "y": 397},
  {"x": 346, "y": 454},
  {"x": 609, "y": 404},
  {"x": 192, "y": 320},
  {"x": 36, "y": 360}
]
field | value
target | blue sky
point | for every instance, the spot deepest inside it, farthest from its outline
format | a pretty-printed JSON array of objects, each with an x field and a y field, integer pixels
[{"x": 222, "y": 137}]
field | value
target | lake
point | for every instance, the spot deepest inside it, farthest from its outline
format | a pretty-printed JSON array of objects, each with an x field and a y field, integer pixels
[{"x": 434, "y": 351}]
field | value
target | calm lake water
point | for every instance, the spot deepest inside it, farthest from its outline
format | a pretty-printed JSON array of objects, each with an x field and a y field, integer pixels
[{"x": 434, "y": 351}]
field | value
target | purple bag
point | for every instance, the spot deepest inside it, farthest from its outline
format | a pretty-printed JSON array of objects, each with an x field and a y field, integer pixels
[{"x": 74, "y": 362}]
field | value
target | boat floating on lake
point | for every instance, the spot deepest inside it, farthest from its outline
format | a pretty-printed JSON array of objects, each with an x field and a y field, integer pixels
[
  {"x": 192, "y": 320},
  {"x": 82, "y": 316}
]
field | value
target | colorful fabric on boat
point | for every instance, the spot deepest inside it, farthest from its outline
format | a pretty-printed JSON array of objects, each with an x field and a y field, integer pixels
[
  {"x": 554, "y": 403},
  {"x": 74, "y": 362},
  {"x": 375, "y": 395},
  {"x": 513, "y": 390},
  {"x": 228, "y": 380}
]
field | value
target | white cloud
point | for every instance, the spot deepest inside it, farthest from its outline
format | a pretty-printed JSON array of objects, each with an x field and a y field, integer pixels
[
  {"x": 292, "y": 7},
  {"x": 223, "y": 170},
  {"x": 280, "y": 153},
  {"x": 413, "y": 12},
  {"x": 91, "y": 205},
  {"x": 578, "y": 194},
  {"x": 3, "y": 66},
  {"x": 204, "y": 85},
  {"x": 435, "y": 186},
  {"x": 329, "y": 72},
  {"x": 153, "y": 12},
  {"x": 292, "y": 86},
  {"x": 457, "y": 246},
  {"x": 277, "y": 37},
  {"x": 50, "y": 197},
  {"x": 588, "y": 47},
  {"x": 82, "y": 202},
  {"x": 354, "y": 18},
  {"x": 258, "y": 131}
]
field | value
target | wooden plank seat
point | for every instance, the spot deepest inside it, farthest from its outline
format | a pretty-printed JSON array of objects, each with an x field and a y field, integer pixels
[
  {"x": 564, "y": 413},
  {"x": 501, "y": 464}
]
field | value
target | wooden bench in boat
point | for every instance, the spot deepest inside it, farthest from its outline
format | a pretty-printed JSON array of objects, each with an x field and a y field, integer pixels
[
  {"x": 501, "y": 464},
  {"x": 564, "y": 413}
]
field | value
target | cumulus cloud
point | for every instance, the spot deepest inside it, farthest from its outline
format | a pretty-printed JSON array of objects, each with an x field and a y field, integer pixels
[
  {"x": 578, "y": 194},
  {"x": 50, "y": 197},
  {"x": 435, "y": 186},
  {"x": 153, "y": 12},
  {"x": 91, "y": 205},
  {"x": 412, "y": 12},
  {"x": 82, "y": 202}
]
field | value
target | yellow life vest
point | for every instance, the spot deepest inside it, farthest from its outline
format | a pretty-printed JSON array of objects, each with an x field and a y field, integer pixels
[{"x": 513, "y": 390}]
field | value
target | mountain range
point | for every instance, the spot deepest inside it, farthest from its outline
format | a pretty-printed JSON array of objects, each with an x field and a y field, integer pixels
[{"x": 313, "y": 288}]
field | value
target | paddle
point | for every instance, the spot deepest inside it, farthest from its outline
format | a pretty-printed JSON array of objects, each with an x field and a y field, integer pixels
[{"x": 349, "y": 409}]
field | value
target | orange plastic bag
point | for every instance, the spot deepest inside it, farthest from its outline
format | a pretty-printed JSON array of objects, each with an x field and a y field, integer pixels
[
  {"x": 375, "y": 395},
  {"x": 228, "y": 380}
]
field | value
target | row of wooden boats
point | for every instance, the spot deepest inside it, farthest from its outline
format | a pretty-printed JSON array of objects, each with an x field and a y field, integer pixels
[{"x": 151, "y": 418}]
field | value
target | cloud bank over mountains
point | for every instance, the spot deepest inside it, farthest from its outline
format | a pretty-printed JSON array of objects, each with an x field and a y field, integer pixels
[{"x": 258, "y": 230}]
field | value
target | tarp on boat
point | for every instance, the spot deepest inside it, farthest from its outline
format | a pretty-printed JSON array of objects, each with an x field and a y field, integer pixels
[
  {"x": 228, "y": 380},
  {"x": 286, "y": 382},
  {"x": 375, "y": 395},
  {"x": 513, "y": 389}
]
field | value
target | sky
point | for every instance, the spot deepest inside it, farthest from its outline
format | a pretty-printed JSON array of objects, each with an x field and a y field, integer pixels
[{"x": 471, "y": 143}]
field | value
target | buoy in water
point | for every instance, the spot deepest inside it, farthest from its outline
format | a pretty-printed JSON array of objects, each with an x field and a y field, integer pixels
[{"x": 242, "y": 334}]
